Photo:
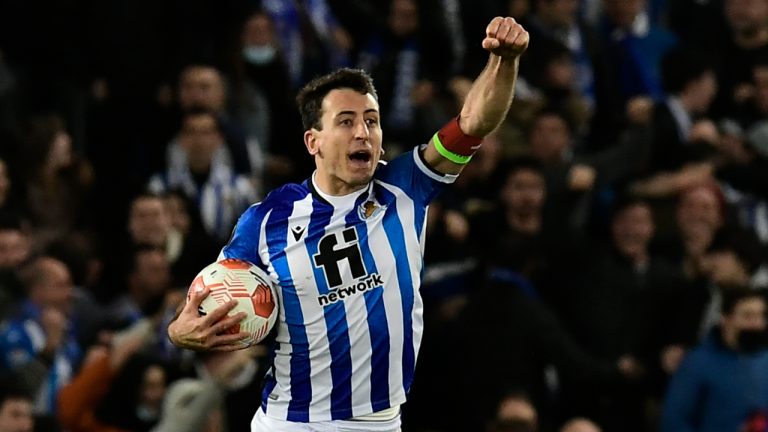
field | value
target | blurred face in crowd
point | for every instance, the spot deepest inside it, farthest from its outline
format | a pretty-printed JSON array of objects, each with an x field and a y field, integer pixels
[
  {"x": 702, "y": 92},
  {"x": 202, "y": 87},
  {"x": 549, "y": 138},
  {"x": 148, "y": 221},
  {"x": 16, "y": 416},
  {"x": 200, "y": 138},
  {"x": 152, "y": 274},
  {"x": 747, "y": 16},
  {"x": 748, "y": 315},
  {"x": 403, "y": 17},
  {"x": 524, "y": 192},
  {"x": 258, "y": 31},
  {"x": 580, "y": 425},
  {"x": 258, "y": 39},
  {"x": 51, "y": 285},
  {"x": 153, "y": 388},
  {"x": 558, "y": 13},
  {"x": 178, "y": 212},
  {"x": 623, "y": 12},
  {"x": 516, "y": 411},
  {"x": 14, "y": 248},
  {"x": 699, "y": 209},
  {"x": 632, "y": 230},
  {"x": 561, "y": 72}
]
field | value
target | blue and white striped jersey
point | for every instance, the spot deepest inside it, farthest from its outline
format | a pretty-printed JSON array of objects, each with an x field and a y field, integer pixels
[{"x": 349, "y": 270}]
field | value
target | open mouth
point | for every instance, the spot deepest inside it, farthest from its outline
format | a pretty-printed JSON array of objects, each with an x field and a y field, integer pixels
[{"x": 363, "y": 156}]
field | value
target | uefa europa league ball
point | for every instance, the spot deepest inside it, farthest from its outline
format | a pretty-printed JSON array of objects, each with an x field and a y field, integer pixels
[{"x": 245, "y": 282}]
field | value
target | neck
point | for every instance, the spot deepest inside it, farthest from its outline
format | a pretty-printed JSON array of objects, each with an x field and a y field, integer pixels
[{"x": 335, "y": 186}]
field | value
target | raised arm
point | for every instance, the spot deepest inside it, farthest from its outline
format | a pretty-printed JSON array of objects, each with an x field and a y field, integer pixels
[{"x": 487, "y": 102}]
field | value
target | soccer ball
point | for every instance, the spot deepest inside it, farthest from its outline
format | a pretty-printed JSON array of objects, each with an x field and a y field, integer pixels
[{"x": 245, "y": 282}]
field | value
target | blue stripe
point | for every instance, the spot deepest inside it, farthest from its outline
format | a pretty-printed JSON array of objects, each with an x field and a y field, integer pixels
[
  {"x": 393, "y": 227},
  {"x": 377, "y": 319},
  {"x": 335, "y": 320},
  {"x": 301, "y": 384}
]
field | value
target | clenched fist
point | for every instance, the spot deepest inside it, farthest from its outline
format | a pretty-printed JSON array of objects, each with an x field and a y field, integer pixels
[{"x": 505, "y": 38}]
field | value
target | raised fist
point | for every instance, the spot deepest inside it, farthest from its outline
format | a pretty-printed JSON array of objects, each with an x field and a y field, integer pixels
[{"x": 505, "y": 38}]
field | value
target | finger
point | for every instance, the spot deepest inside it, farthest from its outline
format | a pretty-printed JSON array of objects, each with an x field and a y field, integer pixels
[
  {"x": 521, "y": 40},
  {"x": 493, "y": 27},
  {"x": 490, "y": 43},
  {"x": 220, "y": 312},
  {"x": 227, "y": 323},
  {"x": 505, "y": 27},
  {"x": 196, "y": 298},
  {"x": 229, "y": 339}
]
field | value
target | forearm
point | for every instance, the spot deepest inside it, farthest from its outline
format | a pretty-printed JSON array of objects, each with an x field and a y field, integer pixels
[{"x": 489, "y": 97}]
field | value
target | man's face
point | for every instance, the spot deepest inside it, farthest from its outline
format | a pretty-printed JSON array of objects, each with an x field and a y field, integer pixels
[
  {"x": 699, "y": 208},
  {"x": 55, "y": 287},
  {"x": 760, "y": 78},
  {"x": 200, "y": 138},
  {"x": 632, "y": 229},
  {"x": 746, "y": 16},
  {"x": 748, "y": 314},
  {"x": 152, "y": 274},
  {"x": 348, "y": 148},
  {"x": 16, "y": 416},
  {"x": 403, "y": 17},
  {"x": 14, "y": 248},
  {"x": 705, "y": 91},
  {"x": 524, "y": 192},
  {"x": 201, "y": 87},
  {"x": 549, "y": 138},
  {"x": 148, "y": 222}
]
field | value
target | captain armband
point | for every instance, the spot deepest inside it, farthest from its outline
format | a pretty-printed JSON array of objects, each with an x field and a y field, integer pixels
[{"x": 455, "y": 145}]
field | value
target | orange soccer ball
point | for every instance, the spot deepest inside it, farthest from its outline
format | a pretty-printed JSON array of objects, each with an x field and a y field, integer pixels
[{"x": 245, "y": 282}]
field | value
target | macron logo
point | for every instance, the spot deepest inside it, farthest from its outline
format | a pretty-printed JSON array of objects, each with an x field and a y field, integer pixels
[
  {"x": 297, "y": 231},
  {"x": 367, "y": 283}
]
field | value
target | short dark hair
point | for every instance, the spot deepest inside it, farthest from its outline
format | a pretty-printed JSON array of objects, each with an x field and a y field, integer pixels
[
  {"x": 310, "y": 97},
  {"x": 509, "y": 167},
  {"x": 733, "y": 296},
  {"x": 626, "y": 201}
]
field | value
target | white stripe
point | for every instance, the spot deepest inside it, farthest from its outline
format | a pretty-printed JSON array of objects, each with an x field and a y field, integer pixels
[
  {"x": 36, "y": 334},
  {"x": 314, "y": 319},
  {"x": 358, "y": 331},
  {"x": 281, "y": 368},
  {"x": 208, "y": 208},
  {"x": 445, "y": 178},
  {"x": 406, "y": 212},
  {"x": 385, "y": 262}
]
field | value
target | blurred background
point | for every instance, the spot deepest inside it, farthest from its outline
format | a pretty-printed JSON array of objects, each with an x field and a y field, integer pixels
[{"x": 599, "y": 266}]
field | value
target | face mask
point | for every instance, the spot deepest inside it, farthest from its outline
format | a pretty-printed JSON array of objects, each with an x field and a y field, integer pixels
[
  {"x": 751, "y": 341},
  {"x": 259, "y": 54}
]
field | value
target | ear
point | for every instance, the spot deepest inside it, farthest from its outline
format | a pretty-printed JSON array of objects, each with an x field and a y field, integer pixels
[{"x": 311, "y": 141}]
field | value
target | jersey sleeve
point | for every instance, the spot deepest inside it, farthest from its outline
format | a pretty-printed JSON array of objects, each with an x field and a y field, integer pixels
[
  {"x": 246, "y": 237},
  {"x": 411, "y": 173}
]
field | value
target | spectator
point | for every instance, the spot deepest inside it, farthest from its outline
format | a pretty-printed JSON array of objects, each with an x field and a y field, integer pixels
[
  {"x": 38, "y": 345},
  {"x": 204, "y": 174},
  {"x": 15, "y": 248},
  {"x": 725, "y": 379},
  {"x": 57, "y": 183},
  {"x": 15, "y": 409},
  {"x": 516, "y": 413},
  {"x": 580, "y": 425}
]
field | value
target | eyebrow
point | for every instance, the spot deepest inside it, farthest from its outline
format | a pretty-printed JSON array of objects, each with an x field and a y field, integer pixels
[{"x": 350, "y": 112}]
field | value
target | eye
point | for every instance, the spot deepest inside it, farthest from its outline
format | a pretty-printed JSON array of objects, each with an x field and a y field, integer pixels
[
  {"x": 345, "y": 122},
  {"x": 372, "y": 121}
]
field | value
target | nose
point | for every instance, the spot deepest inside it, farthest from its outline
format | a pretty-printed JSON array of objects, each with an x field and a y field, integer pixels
[{"x": 361, "y": 130}]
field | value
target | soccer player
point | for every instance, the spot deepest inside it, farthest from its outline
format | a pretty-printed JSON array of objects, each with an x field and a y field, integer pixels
[{"x": 346, "y": 248}]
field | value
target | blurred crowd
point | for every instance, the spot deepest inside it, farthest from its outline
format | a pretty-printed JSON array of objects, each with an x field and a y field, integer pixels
[{"x": 599, "y": 266}]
